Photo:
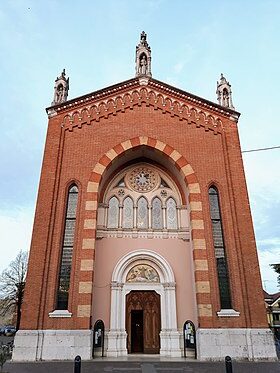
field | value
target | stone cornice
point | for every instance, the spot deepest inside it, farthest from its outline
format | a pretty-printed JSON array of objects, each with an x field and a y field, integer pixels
[
  {"x": 91, "y": 97},
  {"x": 167, "y": 90},
  {"x": 198, "y": 101},
  {"x": 127, "y": 95}
]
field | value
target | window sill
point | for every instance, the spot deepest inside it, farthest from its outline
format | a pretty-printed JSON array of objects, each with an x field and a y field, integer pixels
[
  {"x": 60, "y": 313},
  {"x": 228, "y": 313}
]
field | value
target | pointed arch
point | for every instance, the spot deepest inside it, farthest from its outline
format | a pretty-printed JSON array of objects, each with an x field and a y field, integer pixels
[{"x": 201, "y": 273}]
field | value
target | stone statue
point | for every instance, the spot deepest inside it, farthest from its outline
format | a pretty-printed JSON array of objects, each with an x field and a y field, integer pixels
[
  {"x": 225, "y": 98},
  {"x": 143, "y": 65},
  {"x": 59, "y": 94}
]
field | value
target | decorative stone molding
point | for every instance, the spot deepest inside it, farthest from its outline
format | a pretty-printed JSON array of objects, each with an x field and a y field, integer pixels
[
  {"x": 142, "y": 95},
  {"x": 116, "y": 92},
  {"x": 170, "y": 338},
  {"x": 60, "y": 313},
  {"x": 228, "y": 313},
  {"x": 131, "y": 233}
]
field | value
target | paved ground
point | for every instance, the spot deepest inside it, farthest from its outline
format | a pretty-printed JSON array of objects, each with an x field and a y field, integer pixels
[
  {"x": 141, "y": 367},
  {"x": 4, "y": 339}
]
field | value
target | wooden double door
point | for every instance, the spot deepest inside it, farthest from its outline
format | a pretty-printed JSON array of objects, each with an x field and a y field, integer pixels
[{"x": 143, "y": 322}]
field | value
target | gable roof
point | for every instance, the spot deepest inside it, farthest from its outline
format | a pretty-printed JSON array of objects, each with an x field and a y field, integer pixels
[
  {"x": 271, "y": 298},
  {"x": 152, "y": 83}
]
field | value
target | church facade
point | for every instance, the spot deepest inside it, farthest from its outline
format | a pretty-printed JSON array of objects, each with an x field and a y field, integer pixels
[{"x": 143, "y": 221}]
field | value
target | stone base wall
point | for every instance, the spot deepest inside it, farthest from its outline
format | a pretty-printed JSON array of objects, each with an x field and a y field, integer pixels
[
  {"x": 32, "y": 345},
  {"x": 239, "y": 344},
  {"x": 212, "y": 344}
]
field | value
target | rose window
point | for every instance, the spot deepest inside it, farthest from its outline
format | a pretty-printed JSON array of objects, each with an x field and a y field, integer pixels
[{"x": 143, "y": 179}]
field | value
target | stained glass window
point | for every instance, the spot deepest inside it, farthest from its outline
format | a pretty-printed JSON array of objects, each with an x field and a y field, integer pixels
[
  {"x": 113, "y": 213},
  {"x": 171, "y": 213},
  {"x": 128, "y": 213},
  {"x": 67, "y": 249},
  {"x": 157, "y": 221},
  {"x": 142, "y": 213},
  {"x": 219, "y": 247}
]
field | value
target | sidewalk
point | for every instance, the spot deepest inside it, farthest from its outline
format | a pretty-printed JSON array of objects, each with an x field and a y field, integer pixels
[{"x": 147, "y": 366}]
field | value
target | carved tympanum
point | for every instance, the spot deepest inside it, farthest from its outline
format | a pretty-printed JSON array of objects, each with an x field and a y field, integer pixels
[{"x": 142, "y": 273}]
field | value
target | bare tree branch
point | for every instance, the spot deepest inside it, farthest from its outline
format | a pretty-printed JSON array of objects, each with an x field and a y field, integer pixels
[{"x": 12, "y": 282}]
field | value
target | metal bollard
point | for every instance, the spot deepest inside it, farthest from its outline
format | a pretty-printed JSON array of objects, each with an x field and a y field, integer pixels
[
  {"x": 77, "y": 364},
  {"x": 228, "y": 364}
]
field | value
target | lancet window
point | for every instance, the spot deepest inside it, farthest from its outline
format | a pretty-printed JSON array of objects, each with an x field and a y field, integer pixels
[
  {"x": 142, "y": 197},
  {"x": 142, "y": 213},
  {"x": 67, "y": 249},
  {"x": 127, "y": 213},
  {"x": 113, "y": 213},
  {"x": 157, "y": 214},
  {"x": 219, "y": 248}
]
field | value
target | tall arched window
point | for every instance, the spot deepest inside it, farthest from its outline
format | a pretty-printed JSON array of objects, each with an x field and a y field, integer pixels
[
  {"x": 127, "y": 213},
  {"x": 113, "y": 213},
  {"x": 67, "y": 249},
  {"x": 142, "y": 213},
  {"x": 171, "y": 213},
  {"x": 219, "y": 247},
  {"x": 157, "y": 220}
]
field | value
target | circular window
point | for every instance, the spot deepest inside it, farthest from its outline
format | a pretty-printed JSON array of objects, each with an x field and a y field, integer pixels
[{"x": 143, "y": 179}]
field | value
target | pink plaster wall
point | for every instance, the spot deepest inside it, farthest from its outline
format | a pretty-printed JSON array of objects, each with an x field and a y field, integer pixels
[{"x": 178, "y": 254}]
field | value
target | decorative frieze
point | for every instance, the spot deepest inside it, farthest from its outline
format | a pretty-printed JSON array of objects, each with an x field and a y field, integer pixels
[{"x": 150, "y": 97}]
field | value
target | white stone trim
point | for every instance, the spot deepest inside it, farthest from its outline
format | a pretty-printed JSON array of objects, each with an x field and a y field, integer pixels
[
  {"x": 169, "y": 336},
  {"x": 128, "y": 261},
  {"x": 239, "y": 344},
  {"x": 182, "y": 234},
  {"x": 60, "y": 313},
  {"x": 228, "y": 313}
]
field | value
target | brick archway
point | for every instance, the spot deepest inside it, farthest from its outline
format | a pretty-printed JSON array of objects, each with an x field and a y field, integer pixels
[{"x": 202, "y": 283}]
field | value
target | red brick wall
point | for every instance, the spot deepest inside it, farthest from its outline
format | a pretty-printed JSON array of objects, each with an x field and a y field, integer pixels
[{"x": 72, "y": 152}]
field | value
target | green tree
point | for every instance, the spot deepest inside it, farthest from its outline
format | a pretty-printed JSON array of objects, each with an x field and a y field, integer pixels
[
  {"x": 12, "y": 282},
  {"x": 276, "y": 268}
]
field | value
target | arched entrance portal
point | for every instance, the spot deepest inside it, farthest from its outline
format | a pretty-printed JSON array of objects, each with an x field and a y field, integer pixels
[
  {"x": 143, "y": 322},
  {"x": 143, "y": 272}
]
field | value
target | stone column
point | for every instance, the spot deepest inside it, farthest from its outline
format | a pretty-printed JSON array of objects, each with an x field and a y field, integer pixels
[
  {"x": 117, "y": 334},
  {"x": 170, "y": 337}
]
